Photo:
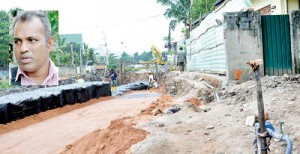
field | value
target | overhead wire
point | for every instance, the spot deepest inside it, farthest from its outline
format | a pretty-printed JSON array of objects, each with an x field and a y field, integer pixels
[{"x": 119, "y": 23}]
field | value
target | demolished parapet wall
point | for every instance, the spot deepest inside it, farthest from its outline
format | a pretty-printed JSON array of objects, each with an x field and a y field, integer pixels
[
  {"x": 188, "y": 85},
  {"x": 214, "y": 80},
  {"x": 243, "y": 42},
  {"x": 295, "y": 40}
]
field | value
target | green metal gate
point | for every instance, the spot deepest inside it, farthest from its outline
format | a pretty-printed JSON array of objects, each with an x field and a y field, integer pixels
[{"x": 276, "y": 44}]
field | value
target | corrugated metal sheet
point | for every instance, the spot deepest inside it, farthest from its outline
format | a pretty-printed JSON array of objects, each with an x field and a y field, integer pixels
[
  {"x": 205, "y": 47},
  {"x": 276, "y": 45}
]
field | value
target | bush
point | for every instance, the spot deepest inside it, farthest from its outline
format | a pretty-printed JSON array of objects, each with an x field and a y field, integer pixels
[{"x": 4, "y": 83}]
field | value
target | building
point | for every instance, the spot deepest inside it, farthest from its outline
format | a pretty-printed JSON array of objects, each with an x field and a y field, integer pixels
[
  {"x": 233, "y": 34},
  {"x": 275, "y": 7}
]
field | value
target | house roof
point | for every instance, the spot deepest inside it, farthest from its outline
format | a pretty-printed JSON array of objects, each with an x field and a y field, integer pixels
[{"x": 75, "y": 38}]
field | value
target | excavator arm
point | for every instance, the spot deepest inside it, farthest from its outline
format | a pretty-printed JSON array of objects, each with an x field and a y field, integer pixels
[{"x": 159, "y": 55}]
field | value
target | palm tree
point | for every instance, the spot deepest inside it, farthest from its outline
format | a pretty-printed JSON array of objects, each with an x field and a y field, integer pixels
[
  {"x": 60, "y": 43},
  {"x": 185, "y": 11},
  {"x": 179, "y": 11}
]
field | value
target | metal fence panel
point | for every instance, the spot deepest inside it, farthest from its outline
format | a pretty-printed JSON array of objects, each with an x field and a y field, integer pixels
[
  {"x": 276, "y": 45},
  {"x": 205, "y": 47}
]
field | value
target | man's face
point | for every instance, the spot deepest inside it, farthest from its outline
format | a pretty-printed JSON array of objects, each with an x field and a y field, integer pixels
[{"x": 31, "y": 46}]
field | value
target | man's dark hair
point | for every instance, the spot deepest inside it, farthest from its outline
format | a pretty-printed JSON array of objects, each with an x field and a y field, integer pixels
[
  {"x": 180, "y": 48},
  {"x": 28, "y": 15}
]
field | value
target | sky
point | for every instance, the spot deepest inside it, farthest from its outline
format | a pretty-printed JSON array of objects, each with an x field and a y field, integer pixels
[{"x": 125, "y": 25}]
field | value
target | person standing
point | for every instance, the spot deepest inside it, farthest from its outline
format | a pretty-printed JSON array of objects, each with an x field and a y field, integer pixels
[
  {"x": 150, "y": 80},
  {"x": 113, "y": 79},
  {"x": 181, "y": 59},
  {"x": 32, "y": 45}
]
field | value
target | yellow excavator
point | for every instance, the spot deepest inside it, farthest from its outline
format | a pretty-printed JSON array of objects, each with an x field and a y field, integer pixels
[{"x": 160, "y": 59}]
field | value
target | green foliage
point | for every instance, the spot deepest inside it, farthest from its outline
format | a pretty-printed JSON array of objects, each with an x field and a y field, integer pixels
[
  {"x": 62, "y": 54},
  {"x": 173, "y": 52},
  {"x": 146, "y": 56},
  {"x": 4, "y": 38},
  {"x": 178, "y": 10},
  {"x": 126, "y": 58},
  {"x": 65, "y": 58},
  {"x": 14, "y": 11},
  {"x": 4, "y": 83},
  {"x": 201, "y": 7},
  {"x": 55, "y": 55},
  {"x": 186, "y": 32},
  {"x": 91, "y": 55},
  {"x": 99, "y": 59},
  {"x": 85, "y": 53},
  {"x": 181, "y": 11},
  {"x": 136, "y": 57},
  {"x": 53, "y": 19},
  {"x": 113, "y": 61},
  {"x": 57, "y": 52}
]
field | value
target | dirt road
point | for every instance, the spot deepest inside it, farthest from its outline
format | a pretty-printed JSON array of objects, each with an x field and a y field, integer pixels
[{"x": 52, "y": 135}]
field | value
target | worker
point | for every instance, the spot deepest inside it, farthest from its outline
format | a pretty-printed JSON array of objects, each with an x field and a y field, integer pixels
[
  {"x": 79, "y": 79},
  {"x": 150, "y": 80},
  {"x": 155, "y": 85},
  {"x": 113, "y": 79},
  {"x": 181, "y": 59}
]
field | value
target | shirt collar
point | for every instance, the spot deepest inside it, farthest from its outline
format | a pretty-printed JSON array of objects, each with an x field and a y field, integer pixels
[{"x": 52, "y": 70}]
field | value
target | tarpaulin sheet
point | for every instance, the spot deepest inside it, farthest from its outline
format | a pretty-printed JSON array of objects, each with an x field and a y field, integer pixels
[{"x": 18, "y": 105}]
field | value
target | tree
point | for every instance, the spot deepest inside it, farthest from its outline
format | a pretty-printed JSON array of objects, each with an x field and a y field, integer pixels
[
  {"x": 53, "y": 19},
  {"x": 125, "y": 57},
  {"x": 178, "y": 11},
  {"x": 91, "y": 54},
  {"x": 88, "y": 54},
  {"x": 58, "y": 42},
  {"x": 4, "y": 38},
  {"x": 85, "y": 53},
  {"x": 99, "y": 59},
  {"x": 76, "y": 52},
  {"x": 182, "y": 11},
  {"x": 113, "y": 61},
  {"x": 146, "y": 56},
  {"x": 201, "y": 7},
  {"x": 136, "y": 57}
]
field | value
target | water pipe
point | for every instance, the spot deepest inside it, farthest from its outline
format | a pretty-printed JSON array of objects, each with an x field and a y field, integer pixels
[
  {"x": 282, "y": 137},
  {"x": 214, "y": 90}
]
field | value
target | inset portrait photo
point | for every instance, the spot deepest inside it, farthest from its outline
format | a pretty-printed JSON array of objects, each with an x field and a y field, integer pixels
[{"x": 32, "y": 40}]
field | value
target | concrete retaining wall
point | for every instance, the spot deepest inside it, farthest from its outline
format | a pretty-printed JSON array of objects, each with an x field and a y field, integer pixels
[
  {"x": 243, "y": 42},
  {"x": 295, "y": 39}
]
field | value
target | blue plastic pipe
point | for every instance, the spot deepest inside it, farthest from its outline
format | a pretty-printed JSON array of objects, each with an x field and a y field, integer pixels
[{"x": 282, "y": 138}]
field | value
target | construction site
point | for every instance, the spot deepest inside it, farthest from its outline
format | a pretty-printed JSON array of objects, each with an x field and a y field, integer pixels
[{"x": 189, "y": 113}]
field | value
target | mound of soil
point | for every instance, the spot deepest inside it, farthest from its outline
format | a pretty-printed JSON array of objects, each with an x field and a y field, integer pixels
[{"x": 117, "y": 138}]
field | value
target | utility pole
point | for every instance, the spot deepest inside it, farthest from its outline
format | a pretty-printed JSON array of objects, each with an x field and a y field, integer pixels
[
  {"x": 72, "y": 53},
  {"x": 80, "y": 56},
  {"x": 107, "y": 53},
  {"x": 121, "y": 71}
]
